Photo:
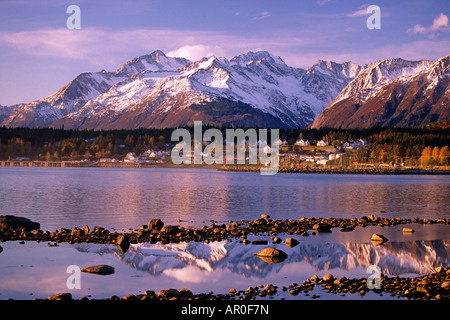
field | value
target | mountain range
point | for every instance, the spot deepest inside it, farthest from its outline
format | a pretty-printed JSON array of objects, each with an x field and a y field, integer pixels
[{"x": 252, "y": 89}]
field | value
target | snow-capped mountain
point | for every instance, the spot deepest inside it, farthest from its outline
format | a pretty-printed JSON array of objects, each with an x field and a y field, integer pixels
[
  {"x": 252, "y": 89},
  {"x": 392, "y": 92},
  {"x": 394, "y": 258}
]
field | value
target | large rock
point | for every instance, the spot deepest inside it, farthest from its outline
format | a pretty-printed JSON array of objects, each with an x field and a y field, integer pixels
[
  {"x": 14, "y": 222},
  {"x": 101, "y": 269},
  {"x": 291, "y": 242},
  {"x": 169, "y": 293},
  {"x": 122, "y": 243},
  {"x": 378, "y": 239},
  {"x": 155, "y": 224},
  {"x": 271, "y": 255},
  {"x": 322, "y": 227}
]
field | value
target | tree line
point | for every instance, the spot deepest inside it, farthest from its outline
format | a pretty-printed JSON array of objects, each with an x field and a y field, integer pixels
[{"x": 423, "y": 145}]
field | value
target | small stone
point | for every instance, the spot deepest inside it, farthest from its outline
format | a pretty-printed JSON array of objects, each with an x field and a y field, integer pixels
[
  {"x": 378, "y": 238},
  {"x": 445, "y": 285},
  {"x": 75, "y": 232},
  {"x": 155, "y": 224},
  {"x": 314, "y": 278},
  {"x": 233, "y": 291},
  {"x": 322, "y": 227},
  {"x": 276, "y": 240},
  {"x": 408, "y": 230},
  {"x": 265, "y": 216},
  {"x": 270, "y": 288},
  {"x": 101, "y": 269},
  {"x": 85, "y": 230},
  {"x": 122, "y": 243},
  {"x": 439, "y": 269},
  {"x": 259, "y": 242},
  {"x": 327, "y": 277},
  {"x": 291, "y": 242}
]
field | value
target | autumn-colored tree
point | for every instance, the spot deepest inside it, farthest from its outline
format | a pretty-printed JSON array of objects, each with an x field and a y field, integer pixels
[
  {"x": 426, "y": 156},
  {"x": 435, "y": 154},
  {"x": 444, "y": 155}
]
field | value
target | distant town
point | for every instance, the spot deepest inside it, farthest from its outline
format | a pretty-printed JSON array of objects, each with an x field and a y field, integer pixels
[{"x": 425, "y": 146}]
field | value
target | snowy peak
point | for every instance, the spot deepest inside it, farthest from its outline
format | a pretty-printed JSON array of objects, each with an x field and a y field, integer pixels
[
  {"x": 156, "y": 61},
  {"x": 257, "y": 57},
  {"x": 346, "y": 69}
]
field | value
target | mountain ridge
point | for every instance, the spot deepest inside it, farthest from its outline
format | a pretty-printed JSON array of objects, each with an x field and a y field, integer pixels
[{"x": 158, "y": 91}]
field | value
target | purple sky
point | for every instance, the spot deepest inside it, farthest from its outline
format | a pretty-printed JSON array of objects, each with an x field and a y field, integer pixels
[{"x": 38, "y": 54}]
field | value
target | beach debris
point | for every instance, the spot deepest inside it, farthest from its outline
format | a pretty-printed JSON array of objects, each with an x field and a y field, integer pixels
[{"x": 101, "y": 269}]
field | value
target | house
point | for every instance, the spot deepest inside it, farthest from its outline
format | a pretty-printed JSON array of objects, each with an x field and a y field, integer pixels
[
  {"x": 131, "y": 157},
  {"x": 302, "y": 143},
  {"x": 322, "y": 143}
]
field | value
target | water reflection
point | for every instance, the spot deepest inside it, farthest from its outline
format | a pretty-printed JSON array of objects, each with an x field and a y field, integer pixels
[
  {"x": 394, "y": 258},
  {"x": 127, "y": 198}
]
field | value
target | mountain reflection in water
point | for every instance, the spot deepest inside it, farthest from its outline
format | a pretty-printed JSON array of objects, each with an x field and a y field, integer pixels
[{"x": 394, "y": 258}]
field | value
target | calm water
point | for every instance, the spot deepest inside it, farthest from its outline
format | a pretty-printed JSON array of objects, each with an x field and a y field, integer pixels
[
  {"x": 128, "y": 198},
  {"x": 123, "y": 198}
]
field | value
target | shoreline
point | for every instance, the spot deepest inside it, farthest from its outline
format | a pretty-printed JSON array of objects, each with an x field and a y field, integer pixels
[
  {"x": 19, "y": 228},
  {"x": 380, "y": 170},
  {"x": 434, "y": 285}
]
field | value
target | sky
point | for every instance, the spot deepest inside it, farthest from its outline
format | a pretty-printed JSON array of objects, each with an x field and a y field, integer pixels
[{"x": 39, "y": 53}]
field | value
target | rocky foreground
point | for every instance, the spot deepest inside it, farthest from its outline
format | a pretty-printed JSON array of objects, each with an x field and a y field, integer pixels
[
  {"x": 432, "y": 286},
  {"x": 18, "y": 228}
]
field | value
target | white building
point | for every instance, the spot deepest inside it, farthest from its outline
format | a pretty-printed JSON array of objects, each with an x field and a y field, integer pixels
[
  {"x": 322, "y": 143},
  {"x": 302, "y": 143}
]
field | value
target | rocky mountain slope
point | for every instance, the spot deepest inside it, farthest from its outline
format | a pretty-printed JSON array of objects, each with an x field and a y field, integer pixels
[{"x": 392, "y": 92}]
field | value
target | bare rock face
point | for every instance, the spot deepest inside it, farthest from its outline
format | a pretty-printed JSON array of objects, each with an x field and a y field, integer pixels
[{"x": 392, "y": 92}]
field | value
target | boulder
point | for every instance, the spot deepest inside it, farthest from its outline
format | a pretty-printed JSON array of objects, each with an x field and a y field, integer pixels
[
  {"x": 61, "y": 296},
  {"x": 101, "y": 269},
  {"x": 322, "y": 227},
  {"x": 378, "y": 238},
  {"x": 291, "y": 242},
  {"x": 14, "y": 222},
  {"x": 85, "y": 230},
  {"x": 271, "y": 255},
  {"x": 155, "y": 224},
  {"x": 445, "y": 285},
  {"x": 327, "y": 277},
  {"x": 170, "y": 230},
  {"x": 260, "y": 242},
  {"x": 76, "y": 232},
  {"x": 265, "y": 216},
  {"x": 122, "y": 243},
  {"x": 169, "y": 293}
]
